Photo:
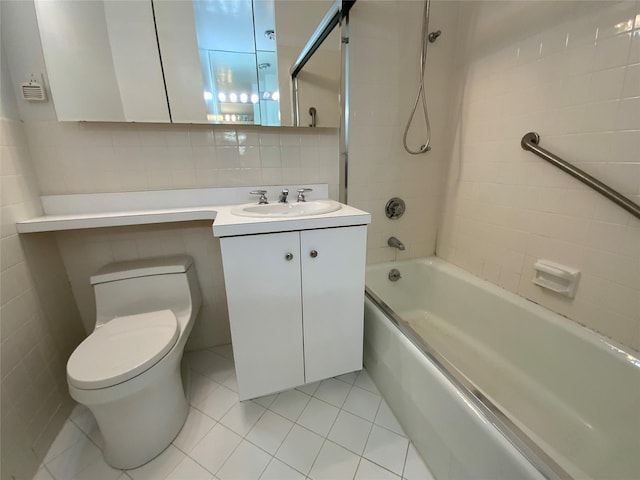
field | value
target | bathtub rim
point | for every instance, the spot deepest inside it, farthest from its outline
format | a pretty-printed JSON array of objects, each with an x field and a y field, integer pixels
[{"x": 540, "y": 460}]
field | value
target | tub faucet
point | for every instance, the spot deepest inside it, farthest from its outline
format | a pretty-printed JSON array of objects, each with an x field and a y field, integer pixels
[{"x": 395, "y": 243}]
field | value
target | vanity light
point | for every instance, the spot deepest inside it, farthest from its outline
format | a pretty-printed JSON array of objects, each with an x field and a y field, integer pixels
[
  {"x": 233, "y": 118},
  {"x": 233, "y": 97},
  {"x": 227, "y": 117},
  {"x": 275, "y": 96},
  {"x": 208, "y": 96},
  {"x": 222, "y": 97},
  {"x": 244, "y": 97},
  {"x": 254, "y": 98}
]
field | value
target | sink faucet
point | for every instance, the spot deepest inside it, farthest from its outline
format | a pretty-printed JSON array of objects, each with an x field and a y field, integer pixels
[
  {"x": 283, "y": 195},
  {"x": 395, "y": 243}
]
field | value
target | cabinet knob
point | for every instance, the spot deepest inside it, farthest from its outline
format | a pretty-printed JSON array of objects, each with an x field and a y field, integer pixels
[
  {"x": 314, "y": 253},
  {"x": 289, "y": 256}
]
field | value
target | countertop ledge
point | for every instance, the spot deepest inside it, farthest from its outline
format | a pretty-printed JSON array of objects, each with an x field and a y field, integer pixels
[{"x": 60, "y": 211}]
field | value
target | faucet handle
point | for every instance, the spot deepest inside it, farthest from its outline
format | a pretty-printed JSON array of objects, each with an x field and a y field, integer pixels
[
  {"x": 263, "y": 196},
  {"x": 301, "y": 193}
]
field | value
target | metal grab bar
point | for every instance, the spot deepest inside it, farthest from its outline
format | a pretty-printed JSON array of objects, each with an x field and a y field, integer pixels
[{"x": 530, "y": 142}]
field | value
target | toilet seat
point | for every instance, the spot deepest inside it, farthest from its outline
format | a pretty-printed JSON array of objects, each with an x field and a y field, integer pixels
[{"x": 122, "y": 348}]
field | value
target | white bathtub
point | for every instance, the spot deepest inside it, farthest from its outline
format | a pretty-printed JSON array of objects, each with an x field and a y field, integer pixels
[{"x": 530, "y": 394}]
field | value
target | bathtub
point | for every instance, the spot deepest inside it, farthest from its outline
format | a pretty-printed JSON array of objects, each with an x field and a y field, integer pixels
[{"x": 490, "y": 385}]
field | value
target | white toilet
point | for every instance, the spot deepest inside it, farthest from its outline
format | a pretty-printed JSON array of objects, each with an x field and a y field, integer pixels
[{"x": 127, "y": 372}]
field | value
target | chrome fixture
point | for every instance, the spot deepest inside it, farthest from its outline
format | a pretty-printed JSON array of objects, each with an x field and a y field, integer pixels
[
  {"x": 395, "y": 243},
  {"x": 421, "y": 96},
  {"x": 283, "y": 195},
  {"x": 394, "y": 275},
  {"x": 263, "y": 196},
  {"x": 395, "y": 208},
  {"x": 301, "y": 193},
  {"x": 270, "y": 34},
  {"x": 530, "y": 142}
]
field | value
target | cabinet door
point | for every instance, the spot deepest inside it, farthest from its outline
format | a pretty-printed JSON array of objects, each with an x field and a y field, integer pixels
[
  {"x": 263, "y": 294},
  {"x": 333, "y": 300}
]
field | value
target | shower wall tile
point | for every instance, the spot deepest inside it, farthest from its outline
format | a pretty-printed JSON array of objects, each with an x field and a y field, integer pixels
[
  {"x": 384, "y": 70},
  {"x": 504, "y": 207}
]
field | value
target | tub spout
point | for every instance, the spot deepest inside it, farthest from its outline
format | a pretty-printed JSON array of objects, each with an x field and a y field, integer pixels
[{"x": 395, "y": 243}]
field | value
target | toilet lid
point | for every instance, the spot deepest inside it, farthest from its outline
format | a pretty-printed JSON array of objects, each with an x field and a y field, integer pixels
[{"x": 122, "y": 348}]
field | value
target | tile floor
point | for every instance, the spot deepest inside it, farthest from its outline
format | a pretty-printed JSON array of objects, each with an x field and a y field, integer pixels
[{"x": 340, "y": 428}]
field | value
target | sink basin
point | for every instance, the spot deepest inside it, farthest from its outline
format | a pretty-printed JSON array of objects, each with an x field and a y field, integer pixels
[{"x": 285, "y": 210}]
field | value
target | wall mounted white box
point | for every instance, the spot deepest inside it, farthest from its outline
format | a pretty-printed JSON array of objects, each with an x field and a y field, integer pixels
[{"x": 557, "y": 278}]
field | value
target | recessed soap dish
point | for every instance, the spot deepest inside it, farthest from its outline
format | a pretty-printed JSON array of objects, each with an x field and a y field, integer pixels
[{"x": 557, "y": 278}]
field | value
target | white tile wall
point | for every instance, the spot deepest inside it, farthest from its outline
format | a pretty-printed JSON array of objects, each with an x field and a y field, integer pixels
[
  {"x": 104, "y": 157},
  {"x": 574, "y": 80},
  {"x": 39, "y": 323},
  {"x": 384, "y": 55}
]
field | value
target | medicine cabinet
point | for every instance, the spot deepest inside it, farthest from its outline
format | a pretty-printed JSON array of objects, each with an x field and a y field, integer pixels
[{"x": 187, "y": 61}]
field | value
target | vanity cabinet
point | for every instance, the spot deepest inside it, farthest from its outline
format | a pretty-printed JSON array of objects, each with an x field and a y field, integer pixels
[{"x": 295, "y": 306}]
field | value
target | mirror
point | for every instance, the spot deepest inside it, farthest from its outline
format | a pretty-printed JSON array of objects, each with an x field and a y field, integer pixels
[{"x": 187, "y": 61}]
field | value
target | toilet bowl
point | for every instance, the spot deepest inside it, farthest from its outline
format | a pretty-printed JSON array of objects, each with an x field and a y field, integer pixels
[{"x": 127, "y": 372}]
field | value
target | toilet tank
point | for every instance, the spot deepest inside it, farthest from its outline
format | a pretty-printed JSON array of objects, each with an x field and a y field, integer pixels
[{"x": 139, "y": 286}]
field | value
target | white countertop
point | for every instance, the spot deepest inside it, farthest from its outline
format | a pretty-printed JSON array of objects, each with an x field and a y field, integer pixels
[
  {"x": 72, "y": 212},
  {"x": 227, "y": 224}
]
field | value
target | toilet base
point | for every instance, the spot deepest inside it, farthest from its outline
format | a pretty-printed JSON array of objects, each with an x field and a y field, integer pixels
[{"x": 139, "y": 427}]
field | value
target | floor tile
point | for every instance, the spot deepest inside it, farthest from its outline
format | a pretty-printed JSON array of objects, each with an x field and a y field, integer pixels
[
  {"x": 362, "y": 403},
  {"x": 188, "y": 469},
  {"x": 219, "y": 402},
  {"x": 387, "y": 449},
  {"x": 300, "y": 448},
  {"x": 334, "y": 462},
  {"x": 266, "y": 401},
  {"x": 277, "y": 470},
  {"x": 350, "y": 431},
  {"x": 318, "y": 416},
  {"x": 309, "y": 388},
  {"x": 160, "y": 466},
  {"x": 242, "y": 417},
  {"x": 85, "y": 421},
  {"x": 385, "y": 418},
  {"x": 333, "y": 391},
  {"x": 319, "y": 431},
  {"x": 348, "y": 377},
  {"x": 195, "y": 428},
  {"x": 247, "y": 462},
  {"x": 365, "y": 382},
  {"x": 269, "y": 432},
  {"x": 290, "y": 404},
  {"x": 216, "y": 446},
  {"x": 211, "y": 365},
  {"x": 68, "y": 436},
  {"x": 43, "y": 474},
  {"x": 96, "y": 437},
  {"x": 78, "y": 411},
  {"x": 370, "y": 471},
  {"x": 74, "y": 459},
  {"x": 200, "y": 388},
  {"x": 414, "y": 467},
  {"x": 98, "y": 470},
  {"x": 231, "y": 383},
  {"x": 223, "y": 350}
]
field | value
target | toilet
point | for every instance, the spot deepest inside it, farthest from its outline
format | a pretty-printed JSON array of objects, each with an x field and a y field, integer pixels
[{"x": 127, "y": 372}]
